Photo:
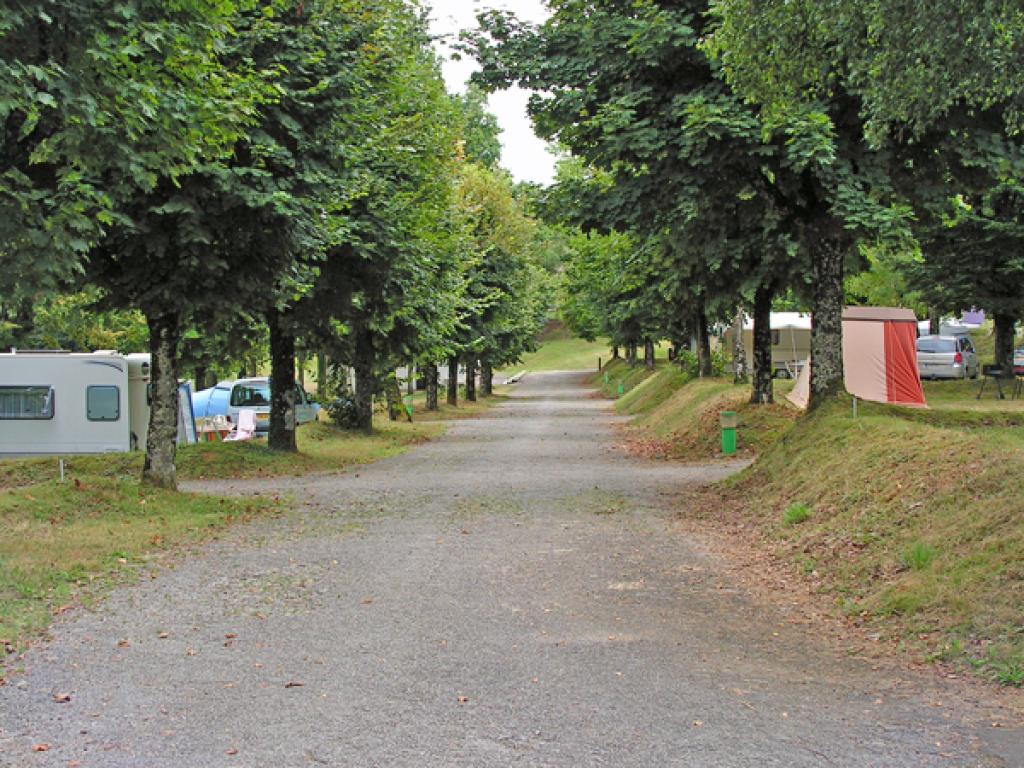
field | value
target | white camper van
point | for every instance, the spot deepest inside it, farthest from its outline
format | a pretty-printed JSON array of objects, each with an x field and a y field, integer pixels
[
  {"x": 791, "y": 342},
  {"x": 66, "y": 403}
]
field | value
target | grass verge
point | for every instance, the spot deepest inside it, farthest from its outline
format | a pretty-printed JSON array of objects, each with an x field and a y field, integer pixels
[
  {"x": 913, "y": 530},
  {"x": 910, "y": 523},
  {"x": 677, "y": 415},
  {"x": 61, "y": 542}
]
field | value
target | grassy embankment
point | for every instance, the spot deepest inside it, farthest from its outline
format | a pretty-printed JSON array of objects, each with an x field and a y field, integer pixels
[
  {"x": 62, "y": 543},
  {"x": 911, "y": 522}
]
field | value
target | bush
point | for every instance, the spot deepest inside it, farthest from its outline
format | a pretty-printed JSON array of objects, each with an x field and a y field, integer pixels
[
  {"x": 796, "y": 513},
  {"x": 687, "y": 361},
  {"x": 342, "y": 411}
]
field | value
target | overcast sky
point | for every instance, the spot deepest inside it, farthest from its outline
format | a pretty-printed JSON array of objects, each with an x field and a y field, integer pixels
[{"x": 523, "y": 154}]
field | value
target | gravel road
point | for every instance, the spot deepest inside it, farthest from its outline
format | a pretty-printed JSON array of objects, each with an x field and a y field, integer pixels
[{"x": 512, "y": 594}]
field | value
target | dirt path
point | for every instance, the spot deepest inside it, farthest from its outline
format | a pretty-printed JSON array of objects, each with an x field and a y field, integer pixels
[{"x": 509, "y": 595}]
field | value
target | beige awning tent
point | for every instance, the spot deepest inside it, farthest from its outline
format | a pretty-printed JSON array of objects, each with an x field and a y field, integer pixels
[{"x": 879, "y": 358}]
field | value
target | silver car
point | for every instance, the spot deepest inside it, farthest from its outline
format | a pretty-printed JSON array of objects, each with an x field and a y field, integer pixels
[{"x": 946, "y": 357}]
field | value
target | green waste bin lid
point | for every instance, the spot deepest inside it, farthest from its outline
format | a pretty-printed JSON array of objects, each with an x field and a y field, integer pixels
[{"x": 728, "y": 419}]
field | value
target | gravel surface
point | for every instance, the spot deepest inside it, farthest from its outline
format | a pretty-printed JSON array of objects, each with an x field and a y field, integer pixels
[{"x": 508, "y": 595}]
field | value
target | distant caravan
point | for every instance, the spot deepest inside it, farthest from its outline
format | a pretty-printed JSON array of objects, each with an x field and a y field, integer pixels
[{"x": 55, "y": 403}]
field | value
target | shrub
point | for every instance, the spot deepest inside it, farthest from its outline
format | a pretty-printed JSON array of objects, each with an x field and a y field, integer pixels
[
  {"x": 918, "y": 556},
  {"x": 342, "y": 411},
  {"x": 796, "y": 513}
]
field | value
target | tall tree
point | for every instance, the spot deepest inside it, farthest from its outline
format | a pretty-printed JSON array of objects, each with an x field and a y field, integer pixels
[{"x": 98, "y": 103}]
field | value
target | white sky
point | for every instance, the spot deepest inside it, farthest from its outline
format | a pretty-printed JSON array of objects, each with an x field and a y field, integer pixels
[{"x": 523, "y": 154}]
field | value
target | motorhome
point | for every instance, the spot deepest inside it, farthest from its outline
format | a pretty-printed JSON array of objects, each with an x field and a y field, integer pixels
[
  {"x": 54, "y": 402},
  {"x": 791, "y": 342}
]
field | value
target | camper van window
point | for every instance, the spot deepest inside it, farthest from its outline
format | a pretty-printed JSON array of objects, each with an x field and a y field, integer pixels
[
  {"x": 248, "y": 395},
  {"x": 103, "y": 403},
  {"x": 26, "y": 403}
]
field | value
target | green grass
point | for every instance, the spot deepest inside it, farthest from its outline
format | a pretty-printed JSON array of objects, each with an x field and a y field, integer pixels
[
  {"x": 918, "y": 520},
  {"x": 682, "y": 413},
  {"x": 59, "y": 541},
  {"x": 918, "y": 556},
  {"x": 321, "y": 448},
  {"x": 562, "y": 355},
  {"x": 618, "y": 373},
  {"x": 918, "y": 527},
  {"x": 796, "y": 513}
]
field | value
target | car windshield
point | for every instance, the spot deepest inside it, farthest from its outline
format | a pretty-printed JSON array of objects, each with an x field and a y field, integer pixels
[
  {"x": 254, "y": 393},
  {"x": 936, "y": 345}
]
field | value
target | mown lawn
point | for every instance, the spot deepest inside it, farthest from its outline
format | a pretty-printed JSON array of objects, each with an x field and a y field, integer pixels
[{"x": 562, "y": 355}]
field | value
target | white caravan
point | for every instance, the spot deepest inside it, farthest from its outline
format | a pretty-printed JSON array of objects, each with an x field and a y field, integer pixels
[{"x": 67, "y": 403}]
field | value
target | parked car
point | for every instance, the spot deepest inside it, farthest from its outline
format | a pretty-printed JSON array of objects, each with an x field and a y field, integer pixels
[
  {"x": 946, "y": 357},
  {"x": 1018, "y": 361},
  {"x": 227, "y": 398}
]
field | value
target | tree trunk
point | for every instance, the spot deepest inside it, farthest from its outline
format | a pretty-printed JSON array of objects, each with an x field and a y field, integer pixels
[
  {"x": 365, "y": 384},
  {"x": 393, "y": 395},
  {"x": 631, "y": 354},
  {"x": 281, "y": 436},
  {"x": 649, "y": 354},
  {"x": 615, "y": 352},
  {"x": 432, "y": 377},
  {"x": 762, "y": 391},
  {"x": 934, "y": 321},
  {"x": 301, "y": 373},
  {"x": 700, "y": 320},
  {"x": 162, "y": 437},
  {"x": 453, "y": 381},
  {"x": 471, "y": 379},
  {"x": 827, "y": 321},
  {"x": 1004, "y": 330},
  {"x": 739, "y": 351},
  {"x": 321, "y": 376},
  {"x": 486, "y": 378},
  {"x": 410, "y": 376},
  {"x": 200, "y": 376}
]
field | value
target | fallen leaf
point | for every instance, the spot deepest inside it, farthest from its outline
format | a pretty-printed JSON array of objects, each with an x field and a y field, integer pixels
[
  {"x": 164, "y": 635},
  {"x": 367, "y": 600},
  {"x": 40, "y": 747},
  {"x": 230, "y": 636},
  {"x": 61, "y": 698},
  {"x": 232, "y": 751},
  {"x": 123, "y": 643},
  {"x": 698, "y": 723},
  {"x": 294, "y": 684},
  {"x": 463, "y": 699}
]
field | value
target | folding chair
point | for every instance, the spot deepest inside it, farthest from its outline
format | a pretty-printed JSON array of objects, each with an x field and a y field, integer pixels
[
  {"x": 245, "y": 428},
  {"x": 992, "y": 373}
]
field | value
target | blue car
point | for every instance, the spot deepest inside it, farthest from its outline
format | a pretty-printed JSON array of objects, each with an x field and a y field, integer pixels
[{"x": 227, "y": 398}]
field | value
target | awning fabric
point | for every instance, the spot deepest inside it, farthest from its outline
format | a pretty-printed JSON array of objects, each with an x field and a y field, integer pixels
[{"x": 879, "y": 358}]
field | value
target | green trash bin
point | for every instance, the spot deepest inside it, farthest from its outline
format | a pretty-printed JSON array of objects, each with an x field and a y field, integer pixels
[
  {"x": 729, "y": 420},
  {"x": 620, "y": 389}
]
